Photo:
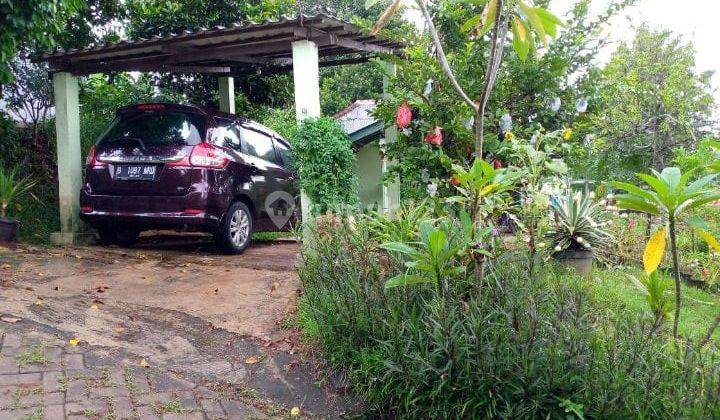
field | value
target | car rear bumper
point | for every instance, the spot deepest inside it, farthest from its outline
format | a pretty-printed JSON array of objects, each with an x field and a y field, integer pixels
[{"x": 193, "y": 210}]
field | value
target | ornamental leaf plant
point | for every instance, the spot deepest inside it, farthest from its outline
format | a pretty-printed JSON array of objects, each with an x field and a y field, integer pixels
[{"x": 671, "y": 196}]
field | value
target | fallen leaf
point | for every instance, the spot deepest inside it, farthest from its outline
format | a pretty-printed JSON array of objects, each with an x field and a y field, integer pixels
[
  {"x": 144, "y": 363},
  {"x": 133, "y": 317},
  {"x": 6, "y": 265},
  {"x": 216, "y": 291},
  {"x": 10, "y": 319},
  {"x": 183, "y": 271},
  {"x": 29, "y": 288},
  {"x": 74, "y": 341},
  {"x": 40, "y": 274},
  {"x": 7, "y": 283},
  {"x": 94, "y": 307},
  {"x": 274, "y": 286},
  {"x": 295, "y": 411},
  {"x": 56, "y": 288},
  {"x": 211, "y": 326},
  {"x": 251, "y": 360},
  {"x": 98, "y": 301},
  {"x": 39, "y": 302},
  {"x": 78, "y": 256}
]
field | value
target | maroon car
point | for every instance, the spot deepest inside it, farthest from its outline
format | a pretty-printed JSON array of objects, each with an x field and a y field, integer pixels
[{"x": 160, "y": 166}]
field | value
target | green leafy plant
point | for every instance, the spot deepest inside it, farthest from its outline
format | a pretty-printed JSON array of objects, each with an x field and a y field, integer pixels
[
  {"x": 579, "y": 223},
  {"x": 325, "y": 162},
  {"x": 11, "y": 188},
  {"x": 671, "y": 197},
  {"x": 431, "y": 260},
  {"x": 655, "y": 286}
]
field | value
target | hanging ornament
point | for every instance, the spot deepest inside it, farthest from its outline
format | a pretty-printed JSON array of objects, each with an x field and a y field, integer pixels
[
  {"x": 428, "y": 87},
  {"x": 435, "y": 137},
  {"x": 505, "y": 123},
  {"x": 404, "y": 115},
  {"x": 554, "y": 104},
  {"x": 581, "y": 105}
]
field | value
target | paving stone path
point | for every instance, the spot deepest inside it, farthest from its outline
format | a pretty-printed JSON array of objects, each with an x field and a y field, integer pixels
[{"x": 42, "y": 378}]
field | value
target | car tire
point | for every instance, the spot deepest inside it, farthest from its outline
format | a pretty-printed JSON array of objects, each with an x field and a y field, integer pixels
[
  {"x": 235, "y": 232},
  {"x": 126, "y": 236}
]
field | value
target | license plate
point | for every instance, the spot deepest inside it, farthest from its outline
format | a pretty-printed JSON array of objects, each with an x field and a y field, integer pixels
[{"x": 135, "y": 172}]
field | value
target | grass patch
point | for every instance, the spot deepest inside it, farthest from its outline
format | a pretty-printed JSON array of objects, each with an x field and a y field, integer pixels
[
  {"x": 170, "y": 407},
  {"x": 38, "y": 414},
  {"x": 270, "y": 236},
  {"x": 614, "y": 290},
  {"x": 32, "y": 356}
]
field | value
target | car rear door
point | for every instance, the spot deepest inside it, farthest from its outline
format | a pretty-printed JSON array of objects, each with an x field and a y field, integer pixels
[{"x": 141, "y": 149}]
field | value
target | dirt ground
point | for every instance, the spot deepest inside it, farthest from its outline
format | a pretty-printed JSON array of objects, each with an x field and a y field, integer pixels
[{"x": 177, "y": 303}]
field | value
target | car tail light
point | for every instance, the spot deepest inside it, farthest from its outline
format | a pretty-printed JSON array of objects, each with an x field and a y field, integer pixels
[
  {"x": 204, "y": 155},
  {"x": 192, "y": 212},
  {"x": 86, "y": 209},
  {"x": 92, "y": 160}
]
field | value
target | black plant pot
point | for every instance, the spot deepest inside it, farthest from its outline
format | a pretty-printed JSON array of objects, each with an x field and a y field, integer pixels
[
  {"x": 579, "y": 259},
  {"x": 8, "y": 229}
]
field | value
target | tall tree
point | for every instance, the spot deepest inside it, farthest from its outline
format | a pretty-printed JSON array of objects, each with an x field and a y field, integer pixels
[
  {"x": 652, "y": 100},
  {"x": 29, "y": 24}
]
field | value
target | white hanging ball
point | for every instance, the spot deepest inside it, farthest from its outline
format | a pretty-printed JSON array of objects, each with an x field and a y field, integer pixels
[{"x": 581, "y": 105}]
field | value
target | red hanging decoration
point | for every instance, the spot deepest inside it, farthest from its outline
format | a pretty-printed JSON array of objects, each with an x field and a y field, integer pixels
[
  {"x": 497, "y": 164},
  {"x": 435, "y": 137},
  {"x": 404, "y": 116}
]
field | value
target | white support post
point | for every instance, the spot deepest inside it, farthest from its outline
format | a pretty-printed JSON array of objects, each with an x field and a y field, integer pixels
[
  {"x": 226, "y": 90},
  {"x": 390, "y": 190},
  {"x": 67, "y": 126},
  {"x": 306, "y": 75}
]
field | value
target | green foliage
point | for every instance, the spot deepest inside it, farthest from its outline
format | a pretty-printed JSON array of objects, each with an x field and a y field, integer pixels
[
  {"x": 325, "y": 163},
  {"x": 672, "y": 198},
  {"x": 11, "y": 189},
  {"x": 656, "y": 288},
  {"x": 650, "y": 99},
  {"x": 29, "y": 23},
  {"x": 521, "y": 347},
  {"x": 579, "y": 223}
]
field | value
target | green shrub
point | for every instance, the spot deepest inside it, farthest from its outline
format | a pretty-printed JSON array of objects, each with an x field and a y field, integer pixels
[
  {"x": 519, "y": 347},
  {"x": 325, "y": 163}
]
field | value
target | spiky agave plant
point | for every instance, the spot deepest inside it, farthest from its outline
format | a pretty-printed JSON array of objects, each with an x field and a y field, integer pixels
[{"x": 580, "y": 223}]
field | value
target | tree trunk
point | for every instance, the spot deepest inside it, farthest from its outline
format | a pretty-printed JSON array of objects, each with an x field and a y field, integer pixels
[{"x": 676, "y": 267}]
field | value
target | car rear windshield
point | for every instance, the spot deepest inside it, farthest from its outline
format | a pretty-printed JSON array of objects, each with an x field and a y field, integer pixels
[{"x": 155, "y": 129}]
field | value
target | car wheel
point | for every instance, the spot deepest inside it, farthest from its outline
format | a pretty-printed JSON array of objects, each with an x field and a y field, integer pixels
[
  {"x": 126, "y": 236},
  {"x": 236, "y": 229}
]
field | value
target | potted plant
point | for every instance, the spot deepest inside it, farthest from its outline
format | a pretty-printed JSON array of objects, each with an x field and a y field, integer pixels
[
  {"x": 578, "y": 230},
  {"x": 10, "y": 189}
]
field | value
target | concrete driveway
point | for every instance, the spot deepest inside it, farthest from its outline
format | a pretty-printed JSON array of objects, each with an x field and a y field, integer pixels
[{"x": 170, "y": 311}]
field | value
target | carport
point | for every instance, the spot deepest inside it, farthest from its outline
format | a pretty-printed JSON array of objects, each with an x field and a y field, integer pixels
[{"x": 300, "y": 45}]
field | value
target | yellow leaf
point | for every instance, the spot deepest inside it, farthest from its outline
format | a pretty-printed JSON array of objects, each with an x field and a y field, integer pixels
[
  {"x": 654, "y": 251},
  {"x": 251, "y": 360},
  {"x": 74, "y": 341},
  {"x": 295, "y": 411},
  {"x": 94, "y": 307},
  {"x": 487, "y": 190},
  {"x": 144, "y": 363},
  {"x": 707, "y": 237}
]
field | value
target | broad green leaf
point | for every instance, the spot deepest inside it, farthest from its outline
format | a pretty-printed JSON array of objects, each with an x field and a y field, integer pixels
[
  {"x": 488, "y": 17},
  {"x": 557, "y": 166},
  {"x": 545, "y": 15},
  {"x": 658, "y": 184},
  {"x": 697, "y": 222},
  {"x": 654, "y": 251},
  {"x": 634, "y": 190},
  {"x": 436, "y": 242},
  {"x": 672, "y": 177},
  {"x": 520, "y": 38},
  {"x": 426, "y": 227},
  {"x": 629, "y": 202},
  {"x": 487, "y": 190},
  {"x": 700, "y": 183},
  {"x": 404, "y": 280},
  {"x": 699, "y": 202},
  {"x": 535, "y": 21},
  {"x": 470, "y": 24},
  {"x": 398, "y": 247}
]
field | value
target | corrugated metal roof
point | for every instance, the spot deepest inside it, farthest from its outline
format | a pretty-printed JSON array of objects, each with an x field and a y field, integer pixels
[
  {"x": 357, "y": 116},
  {"x": 237, "y": 47}
]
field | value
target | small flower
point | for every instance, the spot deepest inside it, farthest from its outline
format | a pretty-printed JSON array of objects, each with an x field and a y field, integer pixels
[
  {"x": 435, "y": 137},
  {"x": 74, "y": 341},
  {"x": 404, "y": 115},
  {"x": 509, "y": 135},
  {"x": 567, "y": 133},
  {"x": 432, "y": 189},
  {"x": 455, "y": 181},
  {"x": 557, "y": 248},
  {"x": 495, "y": 231},
  {"x": 579, "y": 239}
]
